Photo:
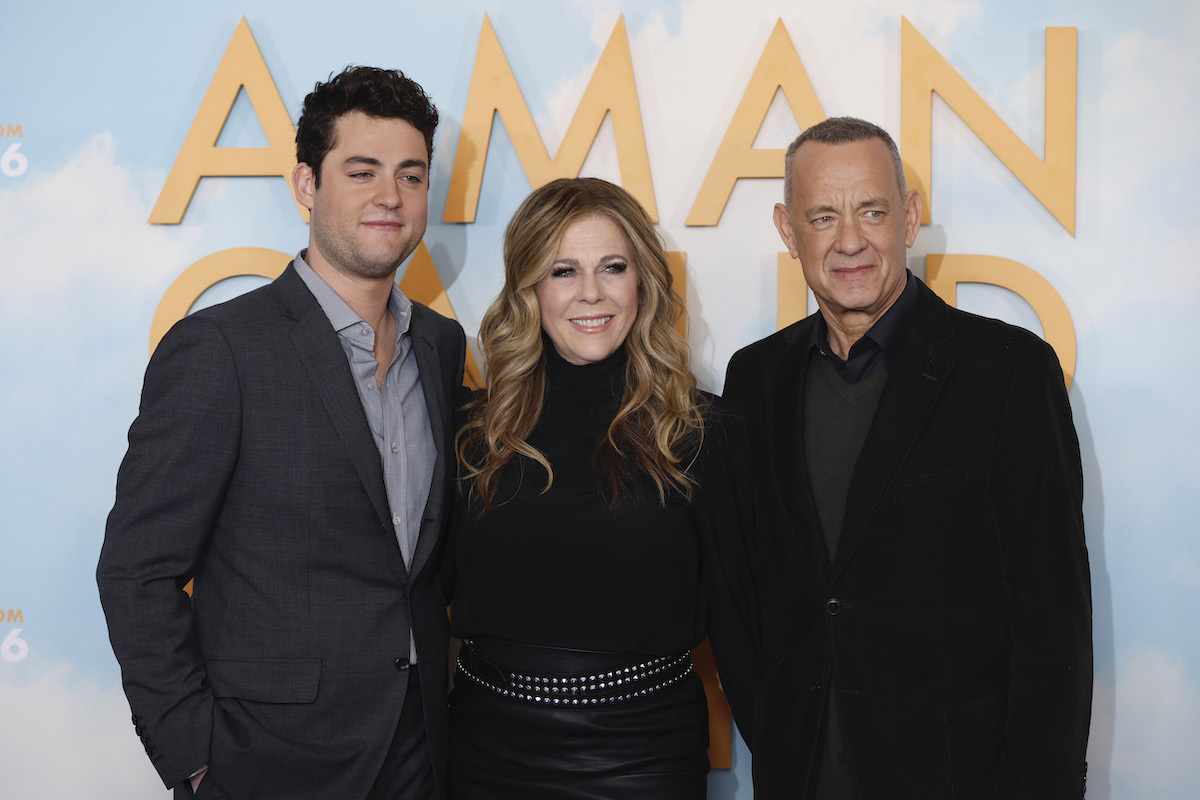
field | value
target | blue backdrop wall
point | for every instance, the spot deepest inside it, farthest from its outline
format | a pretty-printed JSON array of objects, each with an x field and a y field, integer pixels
[{"x": 96, "y": 102}]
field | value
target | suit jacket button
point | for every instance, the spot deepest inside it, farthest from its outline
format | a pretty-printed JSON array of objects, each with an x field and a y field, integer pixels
[
  {"x": 833, "y": 606},
  {"x": 815, "y": 688},
  {"x": 402, "y": 664}
]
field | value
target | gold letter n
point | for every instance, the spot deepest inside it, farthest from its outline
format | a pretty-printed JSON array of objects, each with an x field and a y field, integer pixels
[{"x": 1052, "y": 180}]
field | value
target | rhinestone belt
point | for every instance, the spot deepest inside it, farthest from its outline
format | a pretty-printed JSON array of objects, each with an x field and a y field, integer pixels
[{"x": 599, "y": 688}]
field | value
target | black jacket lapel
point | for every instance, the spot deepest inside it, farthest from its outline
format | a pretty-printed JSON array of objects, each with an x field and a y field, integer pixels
[
  {"x": 914, "y": 382},
  {"x": 432, "y": 380},
  {"x": 321, "y": 354},
  {"x": 786, "y": 373}
]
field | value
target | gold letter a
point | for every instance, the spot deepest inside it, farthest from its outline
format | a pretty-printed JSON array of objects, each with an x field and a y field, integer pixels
[{"x": 242, "y": 65}]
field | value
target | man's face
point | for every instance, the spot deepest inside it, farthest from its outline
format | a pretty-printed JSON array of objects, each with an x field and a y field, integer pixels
[
  {"x": 850, "y": 228},
  {"x": 370, "y": 211}
]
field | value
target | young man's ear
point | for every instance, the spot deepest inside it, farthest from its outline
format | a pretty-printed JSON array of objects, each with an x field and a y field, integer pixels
[{"x": 304, "y": 184}]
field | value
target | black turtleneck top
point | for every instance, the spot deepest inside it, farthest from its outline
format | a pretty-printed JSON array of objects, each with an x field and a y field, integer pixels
[{"x": 563, "y": 568}]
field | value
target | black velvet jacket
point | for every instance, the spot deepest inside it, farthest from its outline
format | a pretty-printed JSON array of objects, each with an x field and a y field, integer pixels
[{"x": 958, "y": 611}]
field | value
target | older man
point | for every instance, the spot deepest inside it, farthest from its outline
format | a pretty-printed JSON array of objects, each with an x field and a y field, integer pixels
[{"x": 918, "y": 488}]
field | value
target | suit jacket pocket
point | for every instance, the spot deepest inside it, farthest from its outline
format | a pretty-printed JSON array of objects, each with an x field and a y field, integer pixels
[
  {"x": 265, "y": 681},
  {"x": 930, "y": 485},
  {"x": 210, "y": 790},
  {"x": 974, "y": 736}
]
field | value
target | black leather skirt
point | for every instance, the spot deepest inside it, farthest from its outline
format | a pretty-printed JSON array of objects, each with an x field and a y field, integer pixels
[{"x": 624, "y": 727}]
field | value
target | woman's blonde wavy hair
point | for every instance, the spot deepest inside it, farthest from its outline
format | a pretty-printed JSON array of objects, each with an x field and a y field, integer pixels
[{"x": 660, "y": 423}]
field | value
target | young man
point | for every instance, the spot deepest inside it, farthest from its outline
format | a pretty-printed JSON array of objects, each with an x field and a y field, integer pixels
[{"x": 293, "y": 456}]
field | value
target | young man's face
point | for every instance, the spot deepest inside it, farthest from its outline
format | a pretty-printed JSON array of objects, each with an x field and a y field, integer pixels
[{"x": 370, "y": 211}]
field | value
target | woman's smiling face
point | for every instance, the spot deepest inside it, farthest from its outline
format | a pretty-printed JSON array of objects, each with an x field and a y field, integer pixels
[{"x": 589, "y": 299}]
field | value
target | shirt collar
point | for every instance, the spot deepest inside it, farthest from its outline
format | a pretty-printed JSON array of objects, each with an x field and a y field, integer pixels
[
  {"x": 879, "y": 346},
  {"x": 340, "y": 314}
]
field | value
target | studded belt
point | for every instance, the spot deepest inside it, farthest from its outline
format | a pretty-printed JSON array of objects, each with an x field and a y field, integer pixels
[{"x": 588, "y": 689}]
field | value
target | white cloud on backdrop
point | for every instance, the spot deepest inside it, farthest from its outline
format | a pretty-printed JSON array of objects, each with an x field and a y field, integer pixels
[
  {"x": 603, "y": 15},
  {"x": 1155, "y": 730},
  {"x": 1147, "y": 120},
  {"x": 938, "y": 19},
  {"x": 62, "y": 737},
  {"x": 79, "y": 230},
  {"x": 81, "y": 261},
  {"x": 1152, "y": 85}
]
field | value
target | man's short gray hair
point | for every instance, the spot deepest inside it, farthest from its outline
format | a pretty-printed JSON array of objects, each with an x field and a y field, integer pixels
[{"x": 841, "y": 130}]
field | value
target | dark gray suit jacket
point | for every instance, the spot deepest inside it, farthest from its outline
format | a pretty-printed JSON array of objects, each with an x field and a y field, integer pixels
[
  {"x": 251, "y": 468},
  {"x": 957, "y": 613}
]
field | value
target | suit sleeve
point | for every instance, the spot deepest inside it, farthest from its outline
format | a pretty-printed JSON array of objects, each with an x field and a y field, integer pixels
[
  {"x": 1038, "y": 494},
  {"x": 182, "y": 453},
  {"x": 727, "y": 558},
  {"x": 460, "y": 395}
]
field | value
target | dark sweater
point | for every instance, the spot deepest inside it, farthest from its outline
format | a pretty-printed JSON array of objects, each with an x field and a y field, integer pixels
[{"x": 562, "y": 568}]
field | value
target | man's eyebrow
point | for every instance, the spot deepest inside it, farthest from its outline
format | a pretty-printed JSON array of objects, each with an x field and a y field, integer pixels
[
  {"x": 371, "y": 161},
  {"x": 827, "y": 208},
  {"x": 364, "y": 160},
  {"x": 874, "y": 202}
]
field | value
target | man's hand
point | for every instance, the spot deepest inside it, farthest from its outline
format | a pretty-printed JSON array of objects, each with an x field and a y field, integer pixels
[{"x": 195, "y": 779}]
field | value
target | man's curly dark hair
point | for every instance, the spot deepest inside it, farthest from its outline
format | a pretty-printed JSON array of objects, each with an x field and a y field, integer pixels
[{"x": 383, "y": 93}]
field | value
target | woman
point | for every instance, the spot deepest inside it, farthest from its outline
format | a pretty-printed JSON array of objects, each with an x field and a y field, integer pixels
[{"x": 600, "y": 528}]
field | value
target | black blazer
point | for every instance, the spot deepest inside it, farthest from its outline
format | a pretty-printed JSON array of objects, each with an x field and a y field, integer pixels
[
  {"x": 958, "y": 611},
  {"x": 252, "y": 468}
]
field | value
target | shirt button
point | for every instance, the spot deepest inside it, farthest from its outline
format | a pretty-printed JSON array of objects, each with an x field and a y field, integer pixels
[
  {"x": 370, "y": 384},
  {"x": 395, "y": 448},
  {"x": 833, "y": 606},
  {"x": 363, "y": 330},
  {"x": 395, "y": 519}
]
